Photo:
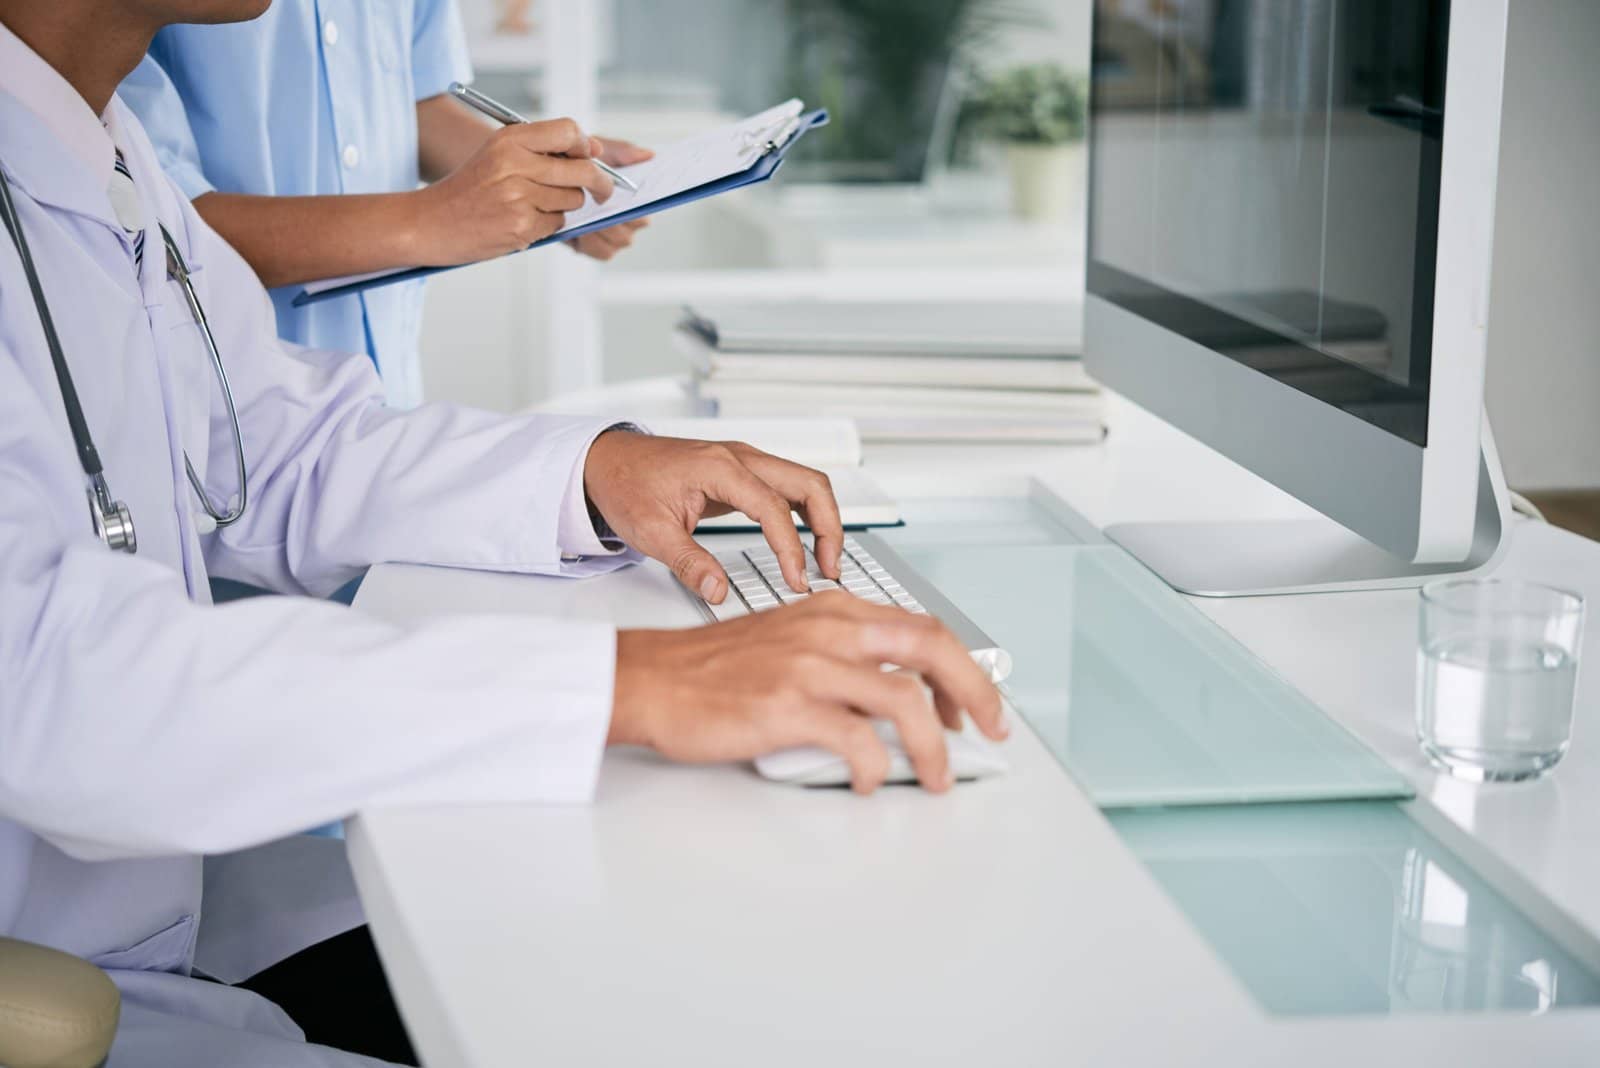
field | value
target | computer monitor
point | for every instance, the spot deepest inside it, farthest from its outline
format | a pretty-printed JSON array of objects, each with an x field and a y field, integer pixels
[{"x": 1291, "y": 210}]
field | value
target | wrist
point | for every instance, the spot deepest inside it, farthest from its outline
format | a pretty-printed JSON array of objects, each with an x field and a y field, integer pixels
[
  {"x": 413, "y": 226},
  {"x": 597, "y": 461},
  {"x": 625, "y": 727}
]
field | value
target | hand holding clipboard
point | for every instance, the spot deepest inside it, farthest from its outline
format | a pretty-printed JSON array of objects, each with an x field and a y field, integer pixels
[{"x": 741, "y": 154}]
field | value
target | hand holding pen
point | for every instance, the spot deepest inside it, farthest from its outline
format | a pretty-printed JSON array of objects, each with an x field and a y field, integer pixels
[
  {"x": 508, "y": 117},
  {"x": 604, "y": 154}
]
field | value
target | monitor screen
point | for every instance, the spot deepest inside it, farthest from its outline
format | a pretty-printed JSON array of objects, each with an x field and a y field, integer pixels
[{"x": 1265, "y": 182}]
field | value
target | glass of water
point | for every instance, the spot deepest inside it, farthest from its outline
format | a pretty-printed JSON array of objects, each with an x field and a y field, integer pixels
[{"x": 1497, "y": 672}]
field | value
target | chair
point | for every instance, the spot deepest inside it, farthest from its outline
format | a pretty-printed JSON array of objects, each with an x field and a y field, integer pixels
[{"x": 56, "y": 1011}]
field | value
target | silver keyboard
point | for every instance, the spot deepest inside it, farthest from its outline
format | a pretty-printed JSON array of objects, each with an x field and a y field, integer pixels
[
  {"x": 868, "y": 568},
  {"x": 758, "y": 581}
]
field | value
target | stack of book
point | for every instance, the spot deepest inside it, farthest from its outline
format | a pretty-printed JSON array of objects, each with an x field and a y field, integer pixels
[{"x": 902, "y": 372}]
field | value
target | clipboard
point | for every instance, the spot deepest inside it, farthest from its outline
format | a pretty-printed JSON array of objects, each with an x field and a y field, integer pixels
[{"x": 771, "y": 141}]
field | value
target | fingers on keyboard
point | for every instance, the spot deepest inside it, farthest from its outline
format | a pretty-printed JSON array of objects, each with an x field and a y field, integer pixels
[{"x": 758, "y": 579}]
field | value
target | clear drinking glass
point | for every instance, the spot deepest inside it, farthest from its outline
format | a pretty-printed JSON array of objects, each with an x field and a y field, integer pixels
[{"x": 1497, "y": 670}]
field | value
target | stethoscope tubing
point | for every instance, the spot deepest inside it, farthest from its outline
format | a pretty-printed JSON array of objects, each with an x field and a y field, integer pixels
[
  {"x": 110, "y": 514},
  {"x": 178, "y": 269}
]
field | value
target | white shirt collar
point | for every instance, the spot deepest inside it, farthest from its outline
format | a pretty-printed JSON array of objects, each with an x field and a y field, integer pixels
[{"x": 40, "y": 89}]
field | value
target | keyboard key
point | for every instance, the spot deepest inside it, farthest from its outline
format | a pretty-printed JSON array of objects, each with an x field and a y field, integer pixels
[{"x": 758, "y": 578}]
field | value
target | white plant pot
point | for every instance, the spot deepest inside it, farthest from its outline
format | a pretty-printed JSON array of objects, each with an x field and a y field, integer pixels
[{"x": 1047, "y": 181}]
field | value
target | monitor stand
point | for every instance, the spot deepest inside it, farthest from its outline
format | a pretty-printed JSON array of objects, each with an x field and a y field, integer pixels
[{"x": 1250, "y": 559}]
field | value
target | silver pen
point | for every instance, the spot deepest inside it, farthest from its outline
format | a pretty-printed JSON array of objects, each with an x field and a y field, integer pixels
[{"x": 502, "y": 114}]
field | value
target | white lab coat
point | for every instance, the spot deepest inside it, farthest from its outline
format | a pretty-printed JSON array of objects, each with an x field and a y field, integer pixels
[{"x": 142, "y": 727}]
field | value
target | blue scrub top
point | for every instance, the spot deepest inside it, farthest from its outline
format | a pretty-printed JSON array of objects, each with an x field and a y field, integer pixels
[{"x": 314, "y": 97}]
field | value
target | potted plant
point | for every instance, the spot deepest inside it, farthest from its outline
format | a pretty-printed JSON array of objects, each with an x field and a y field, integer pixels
[
  {"x": 1038, "y": 112},
  {"x": 885, "y": 68}
]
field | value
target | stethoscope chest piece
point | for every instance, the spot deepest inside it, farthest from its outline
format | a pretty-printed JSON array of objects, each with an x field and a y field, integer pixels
[{"x": 113, "y": 522}]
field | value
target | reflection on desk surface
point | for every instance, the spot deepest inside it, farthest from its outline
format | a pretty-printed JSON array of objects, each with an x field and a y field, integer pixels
[
  {"x": 1143, "y": 699},
  {"x": 1350, "y": 907}
]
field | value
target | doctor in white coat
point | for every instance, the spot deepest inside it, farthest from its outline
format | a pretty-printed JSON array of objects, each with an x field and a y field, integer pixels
[{"x": 142, "y": 728}]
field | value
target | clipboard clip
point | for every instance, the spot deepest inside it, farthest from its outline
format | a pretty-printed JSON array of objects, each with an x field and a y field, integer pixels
[{"x": 766, "y": 141}]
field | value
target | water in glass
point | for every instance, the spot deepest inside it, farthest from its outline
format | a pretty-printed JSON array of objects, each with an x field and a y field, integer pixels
[{"x": 1495, "y": 708}]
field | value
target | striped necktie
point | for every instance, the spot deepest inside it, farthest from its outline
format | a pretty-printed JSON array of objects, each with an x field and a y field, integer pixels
[{"x": 125, "y": 201}]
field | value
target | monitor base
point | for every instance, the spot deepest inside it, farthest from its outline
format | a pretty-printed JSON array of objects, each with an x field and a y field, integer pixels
[{"x": 1265, "y": 557}]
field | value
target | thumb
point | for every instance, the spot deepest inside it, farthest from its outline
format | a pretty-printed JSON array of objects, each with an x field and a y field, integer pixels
[
  {"x": 625, "y": 153},
  {"x": 694, "y": 567}
]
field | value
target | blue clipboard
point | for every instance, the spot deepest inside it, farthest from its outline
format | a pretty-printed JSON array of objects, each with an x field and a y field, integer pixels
[{"x": 762, "y": 169}]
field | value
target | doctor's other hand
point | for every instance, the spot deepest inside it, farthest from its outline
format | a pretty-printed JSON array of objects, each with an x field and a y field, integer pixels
[
  {"x": 652, "y": 492},
  {"x": 604, "y": 244},
  {"x": 515, "y": 190},
  {"x": 806, "y": 674}
]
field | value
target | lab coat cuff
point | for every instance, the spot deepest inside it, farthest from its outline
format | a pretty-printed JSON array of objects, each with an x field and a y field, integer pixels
[
  {"x": 565, "y": 746},
  {"x": 580, "y": 532},
  {"x": 557, "y": 683}
]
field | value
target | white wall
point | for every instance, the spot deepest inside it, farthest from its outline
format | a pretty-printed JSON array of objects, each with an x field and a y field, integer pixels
[
  {"x": 1544, "y": 317},
  {"x": 482, "y": 334}
]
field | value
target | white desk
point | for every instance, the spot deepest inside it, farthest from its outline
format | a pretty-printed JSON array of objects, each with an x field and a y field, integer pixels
[{"x": 700, "y": 916}]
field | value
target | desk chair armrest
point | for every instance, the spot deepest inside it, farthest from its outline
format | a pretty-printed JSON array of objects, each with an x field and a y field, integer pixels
[{"x": 56, "y": 1011}]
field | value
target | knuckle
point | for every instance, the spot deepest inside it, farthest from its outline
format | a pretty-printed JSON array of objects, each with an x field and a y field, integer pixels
[
  {"x": 772, "y": 700},
  {"x": 840, "y": 630},
  {"x": 683, "y": 562},
  {"x": 801, "y": 664},
  {"x": 907, "y": 686}
]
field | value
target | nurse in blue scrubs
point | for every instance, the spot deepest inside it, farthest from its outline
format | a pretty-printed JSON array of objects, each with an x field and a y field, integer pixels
[{"x": 304, "y": 138}]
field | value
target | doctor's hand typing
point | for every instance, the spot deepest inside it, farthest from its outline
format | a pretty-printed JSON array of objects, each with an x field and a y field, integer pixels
[
  {"x": 807, "y": 674},
  {"x": 652, "y": 492}
]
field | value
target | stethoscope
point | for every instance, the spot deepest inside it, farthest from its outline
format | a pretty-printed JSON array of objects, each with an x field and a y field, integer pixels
[{"x": 113, "y": 522}]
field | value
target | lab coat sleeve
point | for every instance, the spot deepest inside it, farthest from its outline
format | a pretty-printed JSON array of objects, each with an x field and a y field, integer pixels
[
  {"x": 149, "y": 92},
  {"x": 338, "y": 482},
  {"x": 136, "y": 722},
  {"x": 438, "y": 48}
]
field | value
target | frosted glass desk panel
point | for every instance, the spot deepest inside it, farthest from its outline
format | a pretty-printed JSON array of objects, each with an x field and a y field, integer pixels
[
  {"x": 994, "y": 522},
  {"x": 1350, "y": 908},
  {"x": 1142, "y": 698}
]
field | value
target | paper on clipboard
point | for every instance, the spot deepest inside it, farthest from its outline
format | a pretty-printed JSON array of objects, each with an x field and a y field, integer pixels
[
  {"x": 704, "y": 165},
  {"x": 690, "y": 164}
]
